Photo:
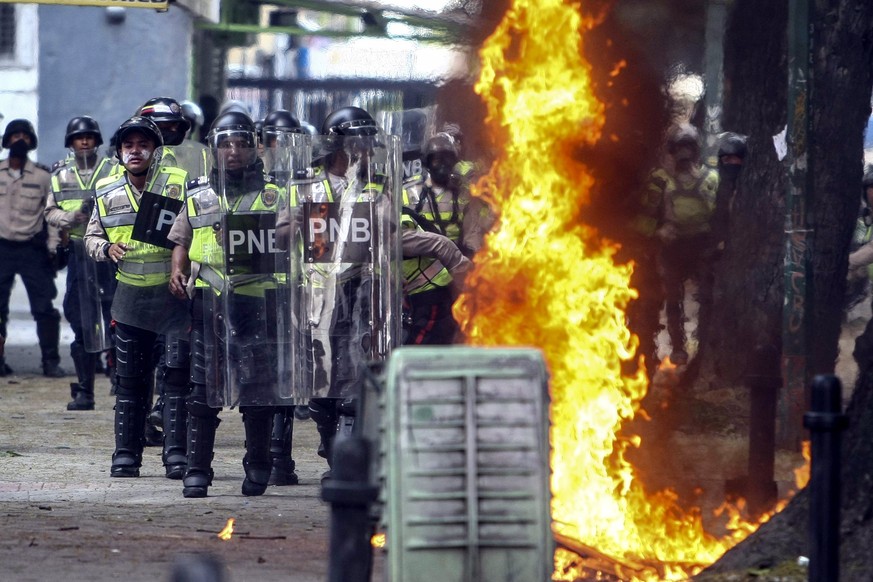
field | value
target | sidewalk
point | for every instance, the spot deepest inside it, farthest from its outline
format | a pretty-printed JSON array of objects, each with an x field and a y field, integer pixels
[{"x": 65, "y": 519}]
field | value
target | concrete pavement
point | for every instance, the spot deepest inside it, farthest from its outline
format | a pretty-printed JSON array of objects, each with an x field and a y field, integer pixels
[{"x": 64, "y": 518}]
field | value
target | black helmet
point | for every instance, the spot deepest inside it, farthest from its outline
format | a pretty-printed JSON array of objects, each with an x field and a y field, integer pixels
[
  {"x": 732, "y": 144},
  {"x": 17, "y": 125},
  {"x": 192, "y": 112},
  {"x": 82, "y": 125},
  {"x": 441, "y": 142},
  {"x": 279, "y": 122},
  {"x": 166, "y": 110},
  {"x": 234, "y": 105},
  {"x": 232, "y": 123},
  {"x": 139, "y": 124},
  {"x": 349, "y": 121}
]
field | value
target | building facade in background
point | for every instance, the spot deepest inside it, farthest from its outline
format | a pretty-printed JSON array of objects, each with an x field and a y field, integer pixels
[{"x": 57, "y": 62}]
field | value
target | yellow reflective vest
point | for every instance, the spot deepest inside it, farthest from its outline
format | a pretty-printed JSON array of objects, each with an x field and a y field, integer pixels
[
  {"x": 73, "y": 193},
  {"x": 421, "y": 274},
  {"x": 206, "y": 210},
  {"x": 144, "y": 264}
]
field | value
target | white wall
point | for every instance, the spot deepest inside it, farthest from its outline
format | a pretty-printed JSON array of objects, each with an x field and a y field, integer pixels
[{"x": 19, "y": 76}]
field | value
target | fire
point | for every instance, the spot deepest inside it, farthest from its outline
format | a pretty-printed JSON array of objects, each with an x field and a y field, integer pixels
[
  {"x": 551, "y": 282},
  {"x": 226, "y": 533},
  {"x": 378, "y": 540},
  {"x": 801, "y": 474}
]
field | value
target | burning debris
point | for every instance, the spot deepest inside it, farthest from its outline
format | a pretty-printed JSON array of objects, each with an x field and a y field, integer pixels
[
  {"x": 226, "y": 533},
  {"x": 542, "y": 264}
]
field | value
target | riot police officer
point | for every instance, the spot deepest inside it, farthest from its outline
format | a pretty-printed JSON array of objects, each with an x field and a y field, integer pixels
[
  {"x": 89, "y": 284},
  {"x": 684, "y": 197},
  {"x": 445, "y": 197},
  {"x": 240, "y": 309},
  {"x": 173, "y": 352},
  {"x": 129, "y": 228},
  {"x": 169, "y": 116},
  {"x": 346, "y": 216},
  {"x": 274, "y": 134}
]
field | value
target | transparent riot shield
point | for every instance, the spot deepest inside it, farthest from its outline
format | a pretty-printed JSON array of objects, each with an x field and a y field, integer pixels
[
  {"x": 281, "y": 152},
  {"x": 142, "y": 297},
  {"x": 95, "y": 283},
  {"x": 347, "y": 210},
  {"x": 249, "y": 301},
  {"x": 191, "y": 156},
  {"x": 414, "y": 127}
]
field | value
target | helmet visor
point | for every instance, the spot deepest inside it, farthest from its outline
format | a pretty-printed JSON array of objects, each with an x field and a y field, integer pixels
[{"x": 357, "y": 127}]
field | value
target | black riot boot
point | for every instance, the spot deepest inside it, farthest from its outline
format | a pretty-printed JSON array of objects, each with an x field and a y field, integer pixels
[
  {"x": 83, "y": 391},
  {"x": 129, "y": 423},
  {"x": 48, "y": 332},
  {"x": 258, "y": 423},
  {"x": 175, "y": 423},
  {"x": 280, "y": 447},
  {"x": 201, "y": 442},
  {"x": 323, "y": 411}
]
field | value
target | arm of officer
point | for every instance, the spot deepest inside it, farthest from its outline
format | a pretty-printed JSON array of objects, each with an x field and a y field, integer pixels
[
  {"x": 181, "y": 267},
  {"x": 418, "y": 243},
  {"x": 96, "y": 241},
  {"x": 59, "y": 218},
  {"x": 181, "y": 234}
]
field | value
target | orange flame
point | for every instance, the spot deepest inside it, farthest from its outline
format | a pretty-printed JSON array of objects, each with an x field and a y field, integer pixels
[
  {"x": 551, "y": 282},
  {"x": 225, "y": 533},
  {"x": 378, "y": 540},
  {"x": 801, "y": 474}
]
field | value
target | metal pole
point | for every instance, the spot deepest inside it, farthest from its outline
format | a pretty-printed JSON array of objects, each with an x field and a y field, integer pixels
[
  {"x": 825, "y": 423},
  {"x": 798, "y": 234}
]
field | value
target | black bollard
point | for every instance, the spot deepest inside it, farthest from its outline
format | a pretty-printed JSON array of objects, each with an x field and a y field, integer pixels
[
  {"x": 350, "y": 494},
  {"x": 825, "y": 423}
]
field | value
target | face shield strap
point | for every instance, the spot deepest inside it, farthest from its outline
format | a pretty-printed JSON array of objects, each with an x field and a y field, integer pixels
[{"x": 85, "y": 159}]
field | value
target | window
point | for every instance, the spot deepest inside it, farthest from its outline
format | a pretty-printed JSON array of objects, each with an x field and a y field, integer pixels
[{"x": 7, "y": 30}]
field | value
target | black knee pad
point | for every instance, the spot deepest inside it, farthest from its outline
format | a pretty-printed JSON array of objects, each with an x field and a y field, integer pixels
[
  {"x": 127, "y": 387},
  {"x": 323, "y": 410},
  {"x": 200, "y": 409},
  {"x": 130, "y": 360},
  {"x": 178, "y": 353},
  {"x": 198, "y": 357}
]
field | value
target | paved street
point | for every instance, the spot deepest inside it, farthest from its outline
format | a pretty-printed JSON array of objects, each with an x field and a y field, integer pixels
[{"x": 64, "y": 518}]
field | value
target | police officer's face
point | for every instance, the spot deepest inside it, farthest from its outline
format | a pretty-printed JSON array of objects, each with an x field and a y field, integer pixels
[
  {"x": 136, "y": 151},
  {"x": 20, "y": 136},
  {"x": 235, "y": 153},
  {"x": 84, "y": 142}
]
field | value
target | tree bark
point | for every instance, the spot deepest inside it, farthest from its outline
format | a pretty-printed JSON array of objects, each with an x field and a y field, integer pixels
[{"x": 749, "y": 289}]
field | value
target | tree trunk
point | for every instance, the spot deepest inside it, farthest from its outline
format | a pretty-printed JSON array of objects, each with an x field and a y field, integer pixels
[{"x": 749, "y": 289}]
